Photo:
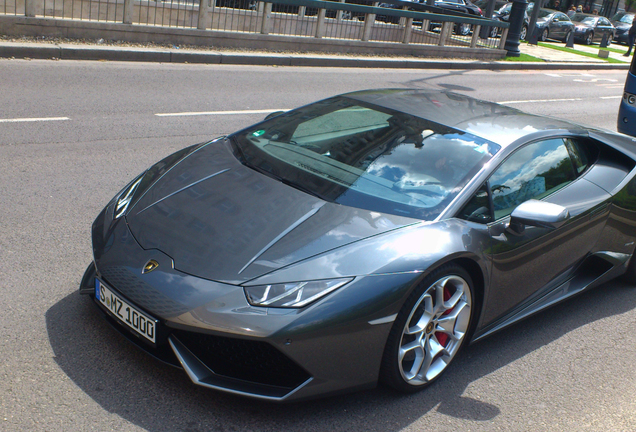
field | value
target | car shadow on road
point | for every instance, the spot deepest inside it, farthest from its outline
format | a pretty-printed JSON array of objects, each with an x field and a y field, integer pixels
[{"x": 127, "y": 382}]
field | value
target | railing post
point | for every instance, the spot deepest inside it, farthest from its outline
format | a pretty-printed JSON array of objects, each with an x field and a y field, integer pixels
[
  {"x": 425, "y": 24},
  {"x": 128, "y": 11},
  {"x": 320, "y": 24},
  {"x": 29, "y": 8},
  {"x": 369, "y": 19},
  {"x": 443, "y": 34},
  {"x": 202, "y": 23},
  {"x": 504, "y": 36},
  {"x": 339, "y": 13},
  {"x": 403, "y": 19},
  {"x": 408, "y": 27},
  {"x": 301, "y": 11},
  {"x": 267, "y": 15},
  {"x": 473, "y": 41}
]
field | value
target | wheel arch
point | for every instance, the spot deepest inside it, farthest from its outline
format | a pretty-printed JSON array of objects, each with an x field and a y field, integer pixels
[{"x": 479, "y": 286}]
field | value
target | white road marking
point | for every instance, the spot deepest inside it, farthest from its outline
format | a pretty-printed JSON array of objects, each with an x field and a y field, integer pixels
[
  {"x": 566, "y": 75},
  {"x": 595, "y": 80},
  {"x": 208, "y": 113},
  {"x": 20, "y": 120},
  {"x": 540, "y": 100},
  {"x": 610, "y": 97}
]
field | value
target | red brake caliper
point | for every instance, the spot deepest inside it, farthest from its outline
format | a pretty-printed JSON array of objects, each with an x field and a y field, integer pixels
[{"x": 443, "y": 338}]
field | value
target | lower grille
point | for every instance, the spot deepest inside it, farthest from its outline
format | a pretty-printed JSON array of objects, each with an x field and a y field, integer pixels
[{"x": 248, "y": 360}]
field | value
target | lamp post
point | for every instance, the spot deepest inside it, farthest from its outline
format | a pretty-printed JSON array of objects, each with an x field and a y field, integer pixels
[{"x": 517, "y": 13}]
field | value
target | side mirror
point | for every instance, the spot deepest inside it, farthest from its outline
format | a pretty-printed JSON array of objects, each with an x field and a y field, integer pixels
[
  {"x": 537, "y": 213},
  {"x": 274, "y": 114}
]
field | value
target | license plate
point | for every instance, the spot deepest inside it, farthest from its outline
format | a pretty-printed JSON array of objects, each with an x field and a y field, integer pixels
[{"x": 139, "y": 322}]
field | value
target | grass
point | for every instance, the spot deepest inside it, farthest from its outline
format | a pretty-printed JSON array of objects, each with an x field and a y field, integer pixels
[
  {"x": 583, "y": 53},
  {"x": 524, "y": 58}
]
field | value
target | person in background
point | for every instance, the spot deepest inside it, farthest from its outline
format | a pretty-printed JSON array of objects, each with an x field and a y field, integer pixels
[
  {"x": 579, "y": 8},
  {"x": 630, "y": 37},
  {"x": 595, "y": 12},
  {"x": 571, "y": 11}
]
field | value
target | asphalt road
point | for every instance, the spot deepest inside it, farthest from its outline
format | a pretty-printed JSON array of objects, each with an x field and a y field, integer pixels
[{"x": 63, "y": 368}]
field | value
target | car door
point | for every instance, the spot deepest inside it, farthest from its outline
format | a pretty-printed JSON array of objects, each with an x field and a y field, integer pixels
[
  {"x": 562, "y": 25},
  {"x": 606, "y": 28},
  {"x": 525, "y": 265}
]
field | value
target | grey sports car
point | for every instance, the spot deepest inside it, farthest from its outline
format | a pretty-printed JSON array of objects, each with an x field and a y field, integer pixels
[{"x": 364, "y": 238}]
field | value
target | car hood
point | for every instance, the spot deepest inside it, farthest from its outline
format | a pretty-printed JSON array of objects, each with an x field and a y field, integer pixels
[{"x": 220, "y": 220}]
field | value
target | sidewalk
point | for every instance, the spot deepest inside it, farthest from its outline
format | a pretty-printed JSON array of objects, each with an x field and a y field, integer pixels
[{"x": 552, "y": 59}]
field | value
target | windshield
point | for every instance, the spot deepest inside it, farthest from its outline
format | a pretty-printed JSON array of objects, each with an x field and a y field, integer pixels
[
  {"x": 584, "y": 19},
  {"x": 623, "y": 17},
  {"x": 505, "y": 9},
  {"x": 361, "y": 155},
  {"x": 543, "y": 13}
]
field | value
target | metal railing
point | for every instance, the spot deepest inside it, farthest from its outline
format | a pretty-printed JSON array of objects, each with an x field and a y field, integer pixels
[{"x": 363, "y": 20}]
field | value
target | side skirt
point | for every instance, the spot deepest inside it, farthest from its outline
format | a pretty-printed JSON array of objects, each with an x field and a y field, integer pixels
[{"x": 594, "y": 270}]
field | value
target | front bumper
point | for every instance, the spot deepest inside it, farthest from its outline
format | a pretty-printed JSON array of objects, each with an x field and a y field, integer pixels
[{"x": 210, "y": 330}]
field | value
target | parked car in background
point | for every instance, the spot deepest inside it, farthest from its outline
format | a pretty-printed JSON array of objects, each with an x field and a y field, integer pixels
[
  {"x": 622, "y": 21},
  {"x": 464, "y": 6},
  {"x": 591, "y": 28},
  {"x": 553, "y": 24},
  {"x": 503, "y": 14}
]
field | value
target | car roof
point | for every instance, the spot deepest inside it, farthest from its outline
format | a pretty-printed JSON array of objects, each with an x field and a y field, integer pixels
[{"x": 497, "y": 123}]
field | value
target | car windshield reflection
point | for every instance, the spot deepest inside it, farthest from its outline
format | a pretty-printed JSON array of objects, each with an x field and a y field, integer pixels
[{"x": 365, "y": 156}]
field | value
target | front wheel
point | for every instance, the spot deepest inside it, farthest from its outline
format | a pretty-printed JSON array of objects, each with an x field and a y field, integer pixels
[
  {"x": 429, "y": 330},
  {"x": 567, "y": 36},
  {"x": 462, "y": 29},
  {"x": 589, "y": 39},
  {"x": 544, "y": 35},
  {"x": 524, "y": 33}
]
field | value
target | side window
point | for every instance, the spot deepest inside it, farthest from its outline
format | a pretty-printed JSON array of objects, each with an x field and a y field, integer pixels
[
  {"x": 532, "y": 172},
  {"x": 478, "y": 208}
]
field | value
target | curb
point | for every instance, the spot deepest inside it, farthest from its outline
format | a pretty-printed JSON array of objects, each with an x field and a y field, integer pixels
[{"x": 75, "y": 52}]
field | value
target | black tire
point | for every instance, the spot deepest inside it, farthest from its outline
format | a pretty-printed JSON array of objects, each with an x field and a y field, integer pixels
[
  {"x": 426, "y": 321},
  {"x": 589, "y": 38},
  {"x": 524, "y": 32},
  {"x": 462, "y": 29},
  {"x": 544, "y": 35}
]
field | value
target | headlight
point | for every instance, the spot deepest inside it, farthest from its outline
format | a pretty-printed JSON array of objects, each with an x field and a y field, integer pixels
[
  {"x": 291, "y": 295},
  {"x": 125, "y": 197},
  {"x": 580, "y": 28}
]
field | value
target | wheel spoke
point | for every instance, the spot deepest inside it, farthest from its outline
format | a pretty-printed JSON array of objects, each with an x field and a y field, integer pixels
[
  {"x": 411, "y": 346},
  {"x": 427, "y": 360},
  {"x": 439, "y": 295},
  {"x": 415, "y": 348},
  {"x": 423, "y": 321}
]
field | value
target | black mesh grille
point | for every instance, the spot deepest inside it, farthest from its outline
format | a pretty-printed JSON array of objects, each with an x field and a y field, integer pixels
[
  {"x": 248, "y": 360},
  {"x": 140, "y": 293}
]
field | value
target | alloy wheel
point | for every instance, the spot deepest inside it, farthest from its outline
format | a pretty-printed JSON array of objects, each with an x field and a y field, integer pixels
[{"x": 434, "y": 330}]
